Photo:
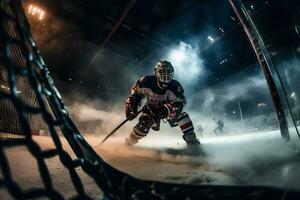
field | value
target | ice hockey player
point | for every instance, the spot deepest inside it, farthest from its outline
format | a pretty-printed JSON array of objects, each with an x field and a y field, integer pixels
[
  {"x": 164, "y": 100},
  {"x": 220, "y": 126}
]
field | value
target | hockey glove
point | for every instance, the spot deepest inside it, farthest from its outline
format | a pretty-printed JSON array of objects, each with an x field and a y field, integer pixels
[
  {"x": 167, "y": 111},
  {"x": 131, "y": 108}
]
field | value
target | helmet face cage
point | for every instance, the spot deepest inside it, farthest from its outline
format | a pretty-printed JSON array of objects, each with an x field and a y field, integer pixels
[{"x": 164, "y": 72}]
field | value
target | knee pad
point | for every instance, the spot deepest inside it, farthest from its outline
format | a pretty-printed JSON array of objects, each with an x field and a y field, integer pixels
[
  {"x": 144, "y": 125},
  {"x": 185, "y": 123}
]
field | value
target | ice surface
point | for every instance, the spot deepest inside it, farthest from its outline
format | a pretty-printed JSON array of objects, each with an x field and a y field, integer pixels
[{"x": 248, "y": 159}]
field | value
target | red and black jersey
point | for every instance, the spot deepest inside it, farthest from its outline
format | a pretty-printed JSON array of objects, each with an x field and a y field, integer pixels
[{"x": 147, "y": 87}]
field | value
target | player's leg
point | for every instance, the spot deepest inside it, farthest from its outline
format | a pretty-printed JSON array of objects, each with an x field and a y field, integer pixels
[
  {"x": 156, "y": 124},
  {"x": 187, "y": 128},
  {"x": 140, "y": 130}
]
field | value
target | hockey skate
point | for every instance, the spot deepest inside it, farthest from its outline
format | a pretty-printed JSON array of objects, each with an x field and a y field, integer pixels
[
  {"x": 193, "y": 145},
  {"x": 194, "y": 148}
]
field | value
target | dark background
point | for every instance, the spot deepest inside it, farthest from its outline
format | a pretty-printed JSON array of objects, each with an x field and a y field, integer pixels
[{"x": 89, "y": 67}]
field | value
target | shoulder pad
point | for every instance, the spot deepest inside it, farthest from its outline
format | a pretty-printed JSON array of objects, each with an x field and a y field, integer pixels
[
  {"x": 139, "y": 82},
  {"x": 142, "y": 78},
  {"x": 176, "y": 88},
  {"x": 146, "y": 81}
]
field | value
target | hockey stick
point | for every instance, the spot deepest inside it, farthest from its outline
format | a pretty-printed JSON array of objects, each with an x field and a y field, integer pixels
[{"x": 115, "y": 129}]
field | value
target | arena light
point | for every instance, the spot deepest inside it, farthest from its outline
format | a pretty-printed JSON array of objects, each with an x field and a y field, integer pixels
[
  {"x": 211, "y": 39},
  {"x": 36, "y": 11},
  {"x": 293, "y": 95},
  {"x": 221, "y": 29},
  {"x": 261, "y": 104}
]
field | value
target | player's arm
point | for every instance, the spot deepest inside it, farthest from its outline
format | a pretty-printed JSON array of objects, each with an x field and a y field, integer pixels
[
  {"x": 134, "y": 100},
  {"x": 178, "y": 104},
  {"x": 175, "y": 105}
]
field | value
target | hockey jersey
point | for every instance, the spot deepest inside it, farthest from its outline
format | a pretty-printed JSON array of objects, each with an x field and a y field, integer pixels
[{"x": 147, "y": 87}]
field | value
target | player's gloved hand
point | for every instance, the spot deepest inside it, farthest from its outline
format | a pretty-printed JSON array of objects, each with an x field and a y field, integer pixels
[
  {"x": 131, "y": 108},
  {"x": 167, "y": 111}
]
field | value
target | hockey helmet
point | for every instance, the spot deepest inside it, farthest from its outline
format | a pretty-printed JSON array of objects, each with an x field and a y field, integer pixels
[{"x": 164, "y": 72}]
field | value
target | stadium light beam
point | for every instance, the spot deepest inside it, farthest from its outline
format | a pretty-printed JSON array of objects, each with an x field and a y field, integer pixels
[
  {"x": 177, "y": 55},
  {"x": 186, "y": 62}
]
